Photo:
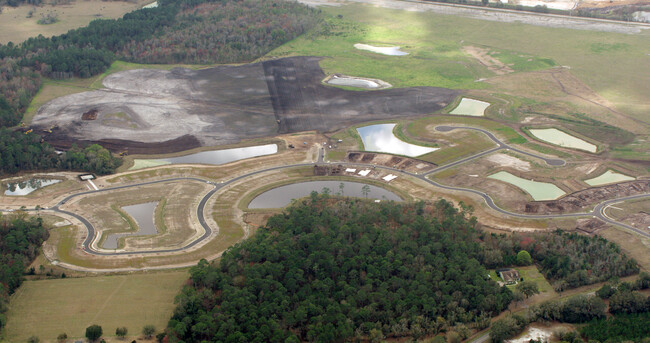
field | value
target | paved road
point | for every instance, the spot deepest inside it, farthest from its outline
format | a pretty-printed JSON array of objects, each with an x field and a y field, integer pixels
[{"x": 598, "y": 212}]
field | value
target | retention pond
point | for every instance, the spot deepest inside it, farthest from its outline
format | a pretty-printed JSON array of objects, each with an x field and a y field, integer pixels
[
  {"x": 281, "y": 196},
  {"x": 471, "y": 107},
  {"x": 608, "y": 177},
  {"x": 380, "y": 138},
  {"x": 215, "y": 157},
  {"x": 26, "y": 187},
  {"x": 143, "y": 215},
  {"x": 561, "y": 138},
  {"x": 538, "y": 190}
]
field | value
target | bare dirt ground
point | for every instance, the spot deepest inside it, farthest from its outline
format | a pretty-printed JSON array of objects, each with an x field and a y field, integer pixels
[
  {"x": 509, "y": 16},
  {"x": 483, "y": 57},
  {"x": 411, "y": 165},
  {"x": 183, "y": 109}
]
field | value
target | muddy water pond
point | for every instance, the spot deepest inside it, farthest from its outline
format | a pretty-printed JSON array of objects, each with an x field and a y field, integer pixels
[
  {"x": 609, "y": 176},
  {"x": 538, "y": 190},
  {"x": 380, "y": 138},
  {"x": 561, "y": 138},
  {"x": 281, "y": 196},
  {"x": 215, "y": 157},
  {"x": 26, "y": 187},
  {"x": 471, "y": 107},
  {"x": 384, "y": 50},
  {"x": 143, "y": 215}
]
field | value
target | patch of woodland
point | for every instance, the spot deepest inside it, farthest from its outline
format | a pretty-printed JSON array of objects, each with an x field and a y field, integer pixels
[
  {"x": 331, "y": 269},
  {"x": 20, "y": 240},
  {"x": 25, "y": 152}
]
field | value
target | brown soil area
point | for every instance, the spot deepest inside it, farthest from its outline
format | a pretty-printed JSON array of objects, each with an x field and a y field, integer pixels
[
  {"x": 577, "y": 201},
  {"x": 484, "y": 58},
  {"x": 410, "y": 165},
  {"x": 158, "y": 111}
]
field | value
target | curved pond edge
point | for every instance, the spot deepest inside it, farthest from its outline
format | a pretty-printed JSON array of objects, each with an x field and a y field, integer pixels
[{"x": 381, "y": 84}]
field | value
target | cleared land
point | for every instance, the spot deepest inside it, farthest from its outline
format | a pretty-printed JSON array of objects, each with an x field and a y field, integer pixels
[
  {"x": 16, "y": 27},
  {"x": 222, "y": 105},
  {"x": 46, "y": 308}
]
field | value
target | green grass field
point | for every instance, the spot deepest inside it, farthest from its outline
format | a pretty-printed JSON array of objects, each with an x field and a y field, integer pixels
[
  {"x": 609, "y": 63},
  {"x": 46, "y": 308}
]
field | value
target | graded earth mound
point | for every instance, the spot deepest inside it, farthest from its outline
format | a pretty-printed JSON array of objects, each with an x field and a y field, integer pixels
[{"x": 182, "y": 108}]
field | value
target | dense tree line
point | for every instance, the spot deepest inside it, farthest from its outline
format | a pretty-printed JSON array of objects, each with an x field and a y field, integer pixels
[
  {"x": 329, "y": 270},
  {"x": 20, "y": 239},
  {"x": 223, "y": 31},
  {"x": 620, "y": 328},
  {"x": 568, "y": 260},
  {"x": 19, "y": 151},
  {"x": 18, "y": 85}
]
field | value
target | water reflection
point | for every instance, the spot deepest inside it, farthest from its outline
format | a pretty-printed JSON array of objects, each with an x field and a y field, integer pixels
[
  {"x": 26, "y": 187},
  {"x": 282, "y": 196},
  {"x": 143, "y": 215},
  {"x": 352, "y": 82},
  {"x": 215, "y": 157},
  {"x": 380, "y": 138}
]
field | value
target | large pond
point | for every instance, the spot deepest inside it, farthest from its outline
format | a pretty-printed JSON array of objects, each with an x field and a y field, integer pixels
[
  {"x": 471, "y": 107},
  {"x": 211, "y": 157},
  {"x": 384, "y": 50},
  {"x": 380, "y": 138},
  {"x": 282, "y": 196},
  {"x": 26, "y": 187},
  {"x": 561, "y": 138},
  {"x": 143, "y": 215},
  {"x": 538, "y": 190},
  {"x": 608, "y": 177}
]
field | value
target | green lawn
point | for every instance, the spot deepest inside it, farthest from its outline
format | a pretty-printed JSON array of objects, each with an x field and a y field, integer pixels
[{"x": 46, "y": 308}]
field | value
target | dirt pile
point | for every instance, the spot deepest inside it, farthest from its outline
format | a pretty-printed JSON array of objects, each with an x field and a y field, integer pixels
[{"x": 410, "y": 165}]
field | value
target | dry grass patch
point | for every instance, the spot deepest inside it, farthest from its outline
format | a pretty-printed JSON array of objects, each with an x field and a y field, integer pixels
[
  {"x": 46, "y": 308},
  {"x": 16, "y": 27}
]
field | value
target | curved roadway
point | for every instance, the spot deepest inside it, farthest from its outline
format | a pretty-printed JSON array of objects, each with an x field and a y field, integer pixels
[{"x": 598, "y": 212}]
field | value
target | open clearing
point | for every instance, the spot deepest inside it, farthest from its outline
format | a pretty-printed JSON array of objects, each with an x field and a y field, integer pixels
[
  {"x": 46, "y": 308},
  {"x": 222, "y": 105},
  {"x": 16, "y": 27}
]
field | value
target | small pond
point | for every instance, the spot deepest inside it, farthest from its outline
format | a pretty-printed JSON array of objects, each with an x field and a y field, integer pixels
[
  {"x": 350, "y": 81},
  {"x": 282, "y": 196},
  {"x": 538, "y": 190},
  {"x": 26, "y": 187},
  {"x": 471, "y": 107},
  {"x": 608, "y": 177},
  {"x": 151, "y": 5},
  {"x": 384, "y": 50},
  {"x": 143, "y": 215},
  {"x": 561, "y": 138},
  {"x": 380, "y": 138},
  {"x": 211, "y": 157}
]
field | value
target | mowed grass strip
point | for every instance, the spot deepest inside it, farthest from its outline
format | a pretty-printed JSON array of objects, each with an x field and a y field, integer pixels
[{"x": 46, "y": 308}]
